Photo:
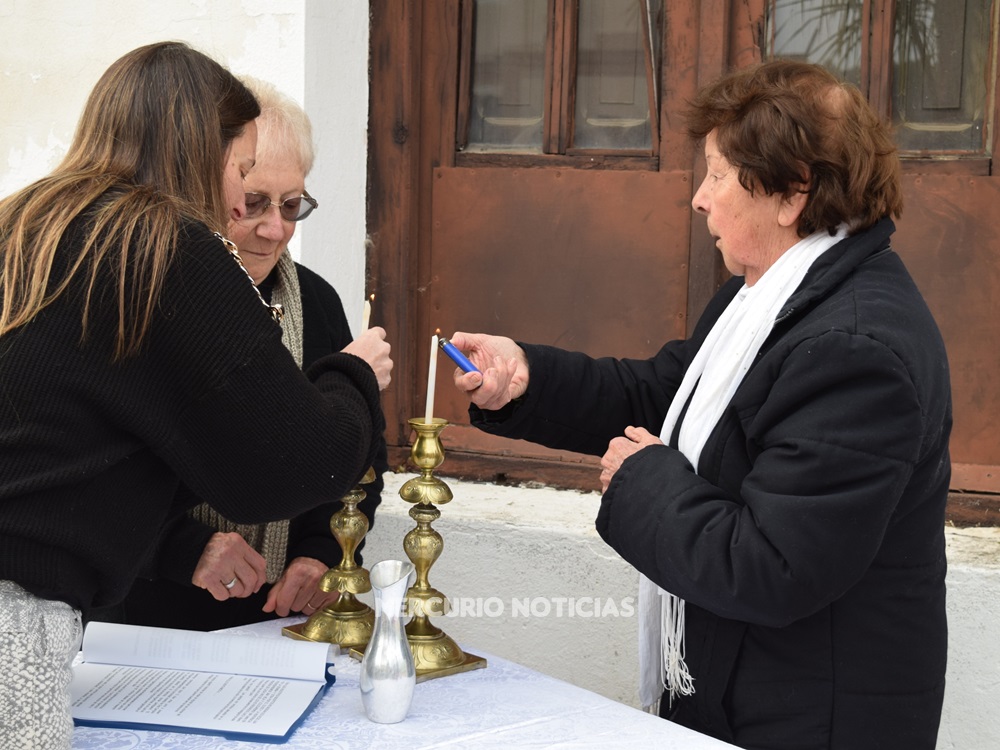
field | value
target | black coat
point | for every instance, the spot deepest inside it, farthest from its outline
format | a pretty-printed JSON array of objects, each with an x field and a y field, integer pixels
[{"x": 809, "y": 546}]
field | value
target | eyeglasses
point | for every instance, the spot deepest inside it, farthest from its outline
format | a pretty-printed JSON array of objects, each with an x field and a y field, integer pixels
[{"x": 291, "y": 209}]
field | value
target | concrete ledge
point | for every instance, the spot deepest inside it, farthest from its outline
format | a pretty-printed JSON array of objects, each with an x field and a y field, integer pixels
[
  {"x": 531, "y": 581},
  {"x": 976, "y": 547}
]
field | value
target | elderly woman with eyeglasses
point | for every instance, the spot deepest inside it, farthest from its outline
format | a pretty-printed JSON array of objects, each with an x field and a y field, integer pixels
[{"x": 208, "y": 572}]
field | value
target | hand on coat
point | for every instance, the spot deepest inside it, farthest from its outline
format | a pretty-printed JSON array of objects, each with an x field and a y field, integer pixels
[
  {"x": 226, "y": 558},
  {"x": 504, "y": 368},
  {"x": 620, "y": 448},
  {"x": 298, "y": 589},
  {"x": 372, "y": 347}
]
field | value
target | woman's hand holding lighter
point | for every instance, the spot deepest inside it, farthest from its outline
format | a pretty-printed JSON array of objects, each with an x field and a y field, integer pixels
[{"x": 500, "y": 369}]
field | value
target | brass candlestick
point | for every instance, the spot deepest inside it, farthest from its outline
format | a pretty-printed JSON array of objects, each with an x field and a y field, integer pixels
[
  {"x": 347, "y": 621},
  {"x": 435, "y": 654}
]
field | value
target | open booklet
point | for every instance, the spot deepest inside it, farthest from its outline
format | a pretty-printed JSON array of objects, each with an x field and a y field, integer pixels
[{"x": 237, "y": 686}]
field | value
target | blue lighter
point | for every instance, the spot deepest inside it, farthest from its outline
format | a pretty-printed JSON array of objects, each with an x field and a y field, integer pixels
[{"x": 460, "y": 359}]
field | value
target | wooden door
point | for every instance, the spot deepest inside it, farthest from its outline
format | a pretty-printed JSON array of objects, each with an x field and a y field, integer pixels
[
  {"x": 596, "y": 250},
  {"x": 572, "y": 241}
]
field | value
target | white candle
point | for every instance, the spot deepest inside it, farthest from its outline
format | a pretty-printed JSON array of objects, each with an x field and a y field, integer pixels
[
  {"x": 431, "y": 377},
  {"x": 366, "y": 315}
]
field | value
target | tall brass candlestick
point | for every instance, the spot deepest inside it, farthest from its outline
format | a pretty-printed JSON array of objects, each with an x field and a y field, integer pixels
[
  {"x": 347, "y": 621},
  {"x": 435, "y": 654}
]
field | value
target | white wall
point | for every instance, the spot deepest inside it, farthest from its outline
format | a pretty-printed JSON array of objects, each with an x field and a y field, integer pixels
[{"x": 52, "y": 52}]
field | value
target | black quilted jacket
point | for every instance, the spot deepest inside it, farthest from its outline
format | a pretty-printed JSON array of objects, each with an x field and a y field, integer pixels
[{"x": 809, "y": 545}]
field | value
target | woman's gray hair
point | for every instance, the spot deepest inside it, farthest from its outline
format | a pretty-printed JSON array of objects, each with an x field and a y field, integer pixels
[{"x": 282, "y": 123}]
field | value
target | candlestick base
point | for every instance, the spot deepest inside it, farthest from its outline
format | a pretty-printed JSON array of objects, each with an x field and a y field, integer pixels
[
  {"x": 348, "y": 621},
  {"x": 435, "y": 653},
  {"x": 466, "y": 663}
]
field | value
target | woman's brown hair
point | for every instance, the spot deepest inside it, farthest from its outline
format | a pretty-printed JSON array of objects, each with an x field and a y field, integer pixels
[
  {"x": 148, "y": 154},
  {"x": 790, "y": 126}
]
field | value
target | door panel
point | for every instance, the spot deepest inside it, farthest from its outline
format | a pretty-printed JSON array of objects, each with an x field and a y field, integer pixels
[
  {"x": 587, "y": 261},
  {"x": 593, "y": 253},
  {"x": 947, "y": 236}
]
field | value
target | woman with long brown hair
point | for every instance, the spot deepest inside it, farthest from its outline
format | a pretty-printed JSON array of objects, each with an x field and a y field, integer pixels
[
  {"x": 181, "y": 588},
  {"x": 135, "y": 354}
]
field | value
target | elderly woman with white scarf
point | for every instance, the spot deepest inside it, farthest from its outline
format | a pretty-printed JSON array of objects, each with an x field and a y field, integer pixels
[
  {"x": 778, "y": 479},
  {"x": 209, "y": 572}
]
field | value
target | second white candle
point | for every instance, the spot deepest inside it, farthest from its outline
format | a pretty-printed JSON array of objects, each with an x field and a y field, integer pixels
[{"x": 431, "y": 378}]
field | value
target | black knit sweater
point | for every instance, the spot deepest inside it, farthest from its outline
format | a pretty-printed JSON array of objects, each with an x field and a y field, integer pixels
[
  {"x": 163, "y": 595},
  {"x": 92, "y": 451}
]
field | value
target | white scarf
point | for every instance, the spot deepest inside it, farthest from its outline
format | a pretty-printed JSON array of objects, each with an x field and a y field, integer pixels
[{"x": 717, "y": 370}]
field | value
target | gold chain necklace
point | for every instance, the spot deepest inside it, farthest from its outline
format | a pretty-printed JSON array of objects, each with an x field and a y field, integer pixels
[{"x": 275, "y": 310}]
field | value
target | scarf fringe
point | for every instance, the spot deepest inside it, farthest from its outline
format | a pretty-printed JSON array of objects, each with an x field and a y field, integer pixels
[{"x": 676, "y": 678}]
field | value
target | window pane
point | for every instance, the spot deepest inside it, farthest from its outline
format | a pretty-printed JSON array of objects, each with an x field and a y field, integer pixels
[
  {"x": 827, "y": 32},
  {"x": 612, "y": 97},
  {"x": 939, "y": 86},
  {"x": 508, "y": 76}
]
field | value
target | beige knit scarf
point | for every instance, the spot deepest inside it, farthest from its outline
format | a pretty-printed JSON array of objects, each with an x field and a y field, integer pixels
[{"x": 270, "y": 539}]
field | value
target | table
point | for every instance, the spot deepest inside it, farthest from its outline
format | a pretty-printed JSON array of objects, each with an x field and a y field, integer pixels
[{"x": 503, "y": 706}]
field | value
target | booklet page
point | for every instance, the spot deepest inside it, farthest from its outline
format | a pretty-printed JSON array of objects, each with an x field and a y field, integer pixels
[
  {"x": 189, "y": 700},
  {"x": 114, "y": 643},
  {"x": 192, "y": 681}
]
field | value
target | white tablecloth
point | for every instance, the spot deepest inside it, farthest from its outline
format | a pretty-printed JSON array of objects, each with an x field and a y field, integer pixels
[{"x": 503, "y": 706}]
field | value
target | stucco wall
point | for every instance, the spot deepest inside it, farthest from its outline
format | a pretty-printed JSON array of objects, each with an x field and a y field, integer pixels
[{"x": 52, "y": 52}]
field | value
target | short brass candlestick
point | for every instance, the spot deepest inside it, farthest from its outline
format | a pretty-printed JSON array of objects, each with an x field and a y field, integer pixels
[
  {"x": 347, "y": 621},
  {"x": 435, "y": 654}
]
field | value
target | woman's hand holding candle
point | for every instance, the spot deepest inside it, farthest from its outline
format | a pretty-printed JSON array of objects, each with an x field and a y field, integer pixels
[
  {"x": 503, "y": 365},
  {"x": 372, "y": 347}
]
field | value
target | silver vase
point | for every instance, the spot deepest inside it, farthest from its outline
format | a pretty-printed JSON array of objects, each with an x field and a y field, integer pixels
[{"x": 387, "y": 673}]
